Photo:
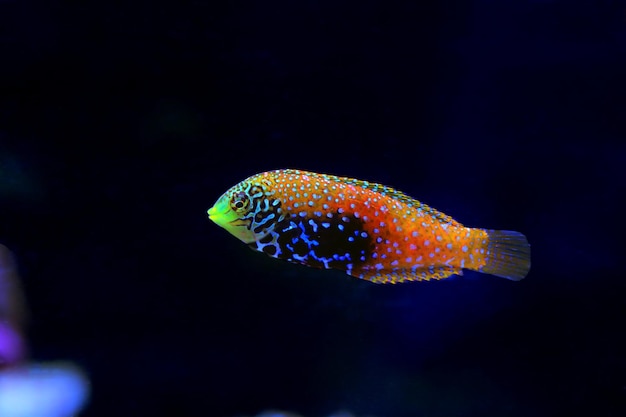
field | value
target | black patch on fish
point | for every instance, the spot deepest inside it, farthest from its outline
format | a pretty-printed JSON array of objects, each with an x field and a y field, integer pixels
[
  {"x": 322, "y": 242},
  {"x": 266, "y": 239},
  {"x": 269, "y": 250}
]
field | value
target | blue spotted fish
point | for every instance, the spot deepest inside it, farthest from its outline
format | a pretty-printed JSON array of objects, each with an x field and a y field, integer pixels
[{"x": 368, "y": 230}]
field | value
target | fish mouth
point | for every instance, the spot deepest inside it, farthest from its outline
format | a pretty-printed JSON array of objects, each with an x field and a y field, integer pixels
[
  {"x": 218, "y": 216},
  {"x": 223, "y": 216},
  {"x": 217, "y": 212},
  {"x": 212, "y": 212}
]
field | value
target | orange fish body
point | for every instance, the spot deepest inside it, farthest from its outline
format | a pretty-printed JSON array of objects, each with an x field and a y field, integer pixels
[{"x": 368, "y": 230}]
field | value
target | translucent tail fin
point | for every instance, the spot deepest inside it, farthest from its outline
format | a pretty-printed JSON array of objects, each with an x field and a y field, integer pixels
[{"x": 508, "y": 255}]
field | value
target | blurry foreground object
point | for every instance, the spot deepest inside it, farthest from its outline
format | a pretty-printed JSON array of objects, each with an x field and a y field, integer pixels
[
  {"x": 26, "y": 389},
  {"x": 42, "y": 390},
  {"x": 12, "y": 312}
]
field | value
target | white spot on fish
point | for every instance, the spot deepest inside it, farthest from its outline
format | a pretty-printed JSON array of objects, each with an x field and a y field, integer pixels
[
  {"x": 464, "y": 248},
  {"x": 449, "y": 246},
  {"x": 414, "y": 234},
  {"x": 426, "y": 242}
]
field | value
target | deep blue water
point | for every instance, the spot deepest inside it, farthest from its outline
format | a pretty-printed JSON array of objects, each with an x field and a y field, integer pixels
[{"x": 122, "y": 122}]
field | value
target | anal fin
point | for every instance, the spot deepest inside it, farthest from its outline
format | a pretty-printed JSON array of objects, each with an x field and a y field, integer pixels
[{"x": 385, "y": 276}]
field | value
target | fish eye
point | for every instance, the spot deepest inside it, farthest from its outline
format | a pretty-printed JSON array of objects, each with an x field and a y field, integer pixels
[{"x": 239, "y": 201}]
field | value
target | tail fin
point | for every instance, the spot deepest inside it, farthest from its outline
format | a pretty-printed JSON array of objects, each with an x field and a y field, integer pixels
[{"x": 509, "y": 255}]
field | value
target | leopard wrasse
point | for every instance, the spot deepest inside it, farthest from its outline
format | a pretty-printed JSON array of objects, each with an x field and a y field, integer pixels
[{"x": 368, "y": 230}]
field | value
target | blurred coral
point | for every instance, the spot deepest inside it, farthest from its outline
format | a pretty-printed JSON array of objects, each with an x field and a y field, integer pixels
[
  {"x": 31, "y": 389},
  {"x": 12, "y": 312}
]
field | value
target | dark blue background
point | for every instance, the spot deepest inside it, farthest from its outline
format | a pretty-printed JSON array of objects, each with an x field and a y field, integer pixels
[{"x": 122, "y": 122}]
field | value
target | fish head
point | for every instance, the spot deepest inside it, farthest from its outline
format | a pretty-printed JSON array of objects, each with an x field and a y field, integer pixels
[{"x": 247, "y": 211}]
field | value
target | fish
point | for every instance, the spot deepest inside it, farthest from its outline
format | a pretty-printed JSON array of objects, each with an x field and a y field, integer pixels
[{"x": 368, "y": 230}]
